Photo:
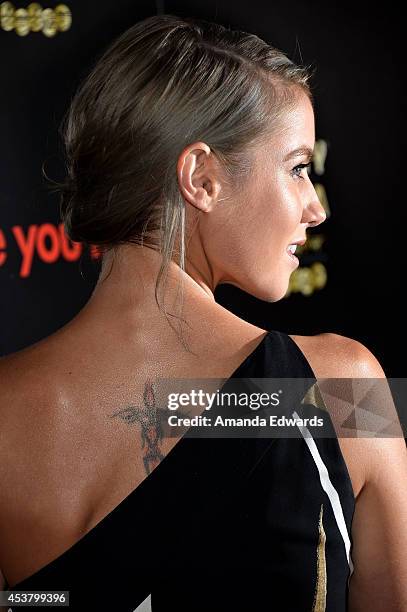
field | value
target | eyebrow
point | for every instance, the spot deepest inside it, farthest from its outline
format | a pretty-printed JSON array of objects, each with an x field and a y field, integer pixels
[{"x": 304, "y": 150}]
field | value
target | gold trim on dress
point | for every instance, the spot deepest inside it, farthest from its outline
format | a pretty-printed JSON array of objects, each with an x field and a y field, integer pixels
[{"x": 321, "y": 583}]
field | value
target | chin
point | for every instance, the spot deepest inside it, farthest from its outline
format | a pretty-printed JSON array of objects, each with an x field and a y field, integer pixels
[
  {"x": 269, "y": 291},
  {"x": 266, "y": 289}
]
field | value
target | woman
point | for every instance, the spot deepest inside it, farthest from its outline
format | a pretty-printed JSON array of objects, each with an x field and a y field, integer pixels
[{"x": 187, "y": 149}]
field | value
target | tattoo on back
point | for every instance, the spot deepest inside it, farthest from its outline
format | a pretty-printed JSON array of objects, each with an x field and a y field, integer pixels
[{"x": 151, "y": 431}]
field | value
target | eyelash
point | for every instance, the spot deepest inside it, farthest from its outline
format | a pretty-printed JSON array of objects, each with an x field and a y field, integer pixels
[{"x": 300, "y": 166}]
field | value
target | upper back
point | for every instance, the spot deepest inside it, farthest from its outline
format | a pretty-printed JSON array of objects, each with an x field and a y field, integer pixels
[{"x": 58, "y": 400}]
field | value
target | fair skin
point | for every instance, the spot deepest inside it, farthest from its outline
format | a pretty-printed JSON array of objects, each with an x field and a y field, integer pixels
[
  {"x": 284, "y": 201},
  {"x": 123, "y": 329}
]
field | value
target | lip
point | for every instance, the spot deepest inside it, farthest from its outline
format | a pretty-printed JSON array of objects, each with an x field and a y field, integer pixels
[
  {"x": 301, "y": 242},
  {"x": 293, "y": 257}
]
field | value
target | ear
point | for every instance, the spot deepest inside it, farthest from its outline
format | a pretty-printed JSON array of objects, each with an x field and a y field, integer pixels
[{"x": 197, "y": 176}]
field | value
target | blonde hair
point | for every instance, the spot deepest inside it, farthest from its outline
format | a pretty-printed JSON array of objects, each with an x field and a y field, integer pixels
[{"x": 164, "y": 83}]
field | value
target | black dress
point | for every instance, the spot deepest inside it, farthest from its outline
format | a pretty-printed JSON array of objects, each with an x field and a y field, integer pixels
[{"x": 224, "y": 524}]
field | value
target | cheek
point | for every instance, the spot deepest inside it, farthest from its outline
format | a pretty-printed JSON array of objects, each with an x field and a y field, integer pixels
[
  {"x": 274, "y": 218},
  {"x": 247, "y": 232},
  {"x": 275, "y": 224},
  {"x": 286, "y": 207},
  {"x": 231, "y": 237}
]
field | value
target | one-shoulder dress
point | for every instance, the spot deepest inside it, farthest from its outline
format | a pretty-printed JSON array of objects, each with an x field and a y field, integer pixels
[{"x": 223, "y": 524}]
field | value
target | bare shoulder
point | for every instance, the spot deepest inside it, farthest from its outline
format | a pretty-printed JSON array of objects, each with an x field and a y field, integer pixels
[
  {"x": 25, "y": 376},
  {"x": 23, "y": 383},
  {"x": 378, "y": 469},
  {"x": 333, "y": 356},
  {"x": 28, "y": 393}
]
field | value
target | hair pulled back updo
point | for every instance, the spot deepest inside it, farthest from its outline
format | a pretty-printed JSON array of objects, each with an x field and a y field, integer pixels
[{"x": 164, "y": 83}]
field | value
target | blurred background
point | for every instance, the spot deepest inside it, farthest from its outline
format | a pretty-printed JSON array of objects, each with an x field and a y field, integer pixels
[{"x": 350, "y": 279}]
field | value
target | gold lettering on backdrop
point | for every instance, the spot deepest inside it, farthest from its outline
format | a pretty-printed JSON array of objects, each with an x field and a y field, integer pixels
[
  {"x": 21, "y": 24},
  {"x": 34, "y": 11},
  {"x": 49, "y": 22},
  {"x": 63, "y": 17},
  {"x": 313, "y": 276},
  {"x": 323, "y": 198},
  {"x": 319, "y": 275},
  {"x": 315, "y": 242},
  {"x": 302, "y": 281},
  {"x": 307, "y": 279},
  {"x": 35, "y": 19},
  {"x": 7, "y": 16},
  {"x": 319, "y": 157}
]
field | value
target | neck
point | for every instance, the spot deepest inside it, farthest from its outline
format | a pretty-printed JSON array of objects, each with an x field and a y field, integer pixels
[{"x": 126, "y": 284}]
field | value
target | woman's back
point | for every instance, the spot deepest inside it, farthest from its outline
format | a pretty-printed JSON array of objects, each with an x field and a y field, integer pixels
[{"x": 72, "y": 431}]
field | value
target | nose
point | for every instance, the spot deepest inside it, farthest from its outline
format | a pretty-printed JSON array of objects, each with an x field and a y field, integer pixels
[{"x": 314, "y": 213}]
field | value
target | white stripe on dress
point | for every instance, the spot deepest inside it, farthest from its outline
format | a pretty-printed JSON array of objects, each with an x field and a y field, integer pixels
[{"x": 328, "y": 488}]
